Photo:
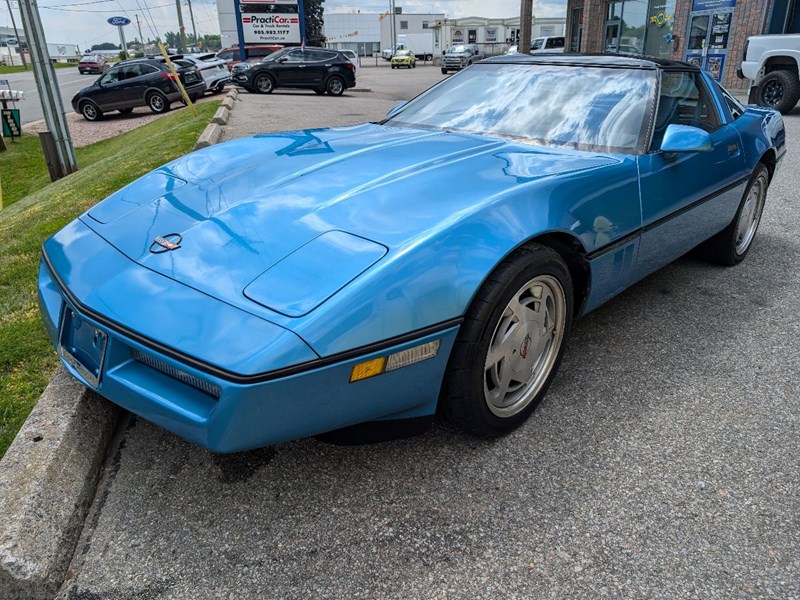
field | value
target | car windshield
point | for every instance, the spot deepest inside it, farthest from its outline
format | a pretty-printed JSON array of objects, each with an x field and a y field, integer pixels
[
  {"x": 90, "y": 59},
  {"x": 403, "y": 53},
  {"x": 457, "y": 49},
  {"x": 587, "y": 108}
]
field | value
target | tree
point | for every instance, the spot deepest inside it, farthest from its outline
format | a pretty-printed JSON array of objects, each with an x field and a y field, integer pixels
[
  {"x": 105, "y": 46},
  {"x": 211, "y": 43},
  {"x": 314, "y": 22}
]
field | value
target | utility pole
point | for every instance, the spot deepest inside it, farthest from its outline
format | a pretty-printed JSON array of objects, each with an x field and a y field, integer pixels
[
  {"x": 394, "y": 28},
  {"x": 182, "y": 32},
  {"x": 525, "y": 25},
  {"x": 47, "y": 85},
  {"x": 16, "y": 34},
  {"x": 191, "y": 16},
  {"x": 139, "y": 27}
]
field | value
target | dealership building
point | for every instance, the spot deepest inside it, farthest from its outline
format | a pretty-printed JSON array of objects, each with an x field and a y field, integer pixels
[{"x": 709, "y": 33}]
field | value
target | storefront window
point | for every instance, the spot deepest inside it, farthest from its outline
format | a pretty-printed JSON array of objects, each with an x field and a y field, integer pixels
[
  {"x": 697, "y": 32},
  {"x": 659, "y": 28},
  {"x": 634, "y": 19}
]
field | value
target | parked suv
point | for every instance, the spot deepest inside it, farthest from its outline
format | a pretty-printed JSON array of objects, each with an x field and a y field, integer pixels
[
  {"x": 317, "y": 69},
  {"x": 460, "y": 56},
  {"x": 142, "y": 82},
  {"x": 771, "y": 64},
  {"x": 213, "y": 69},
  {"x": 253, "y": 53}
]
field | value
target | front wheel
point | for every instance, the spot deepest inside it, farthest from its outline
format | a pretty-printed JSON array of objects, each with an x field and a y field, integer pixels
[
  {"x": 335, "y": 86},
  {"x": 444, "y": 71},
  {"x": 264, "y": 84},
  {"x": 779, "y": 90},
  {"x": 158, "y": 103},
  {"x": 90, "y": 111},
  {"x": 730, "y": 246},
  {"x": 510, "y": 346}
]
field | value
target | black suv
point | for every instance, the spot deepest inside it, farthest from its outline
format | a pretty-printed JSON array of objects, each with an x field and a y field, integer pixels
[
  {"x": 317, "y": 69},
  {"x": 142, "y": 82}
]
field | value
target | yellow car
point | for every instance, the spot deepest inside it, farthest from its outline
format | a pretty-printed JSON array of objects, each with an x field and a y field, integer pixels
[{"x": 404, "y": 58}]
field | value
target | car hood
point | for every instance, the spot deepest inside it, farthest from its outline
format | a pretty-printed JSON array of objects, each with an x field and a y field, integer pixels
[{"x": 239, "y": 209}]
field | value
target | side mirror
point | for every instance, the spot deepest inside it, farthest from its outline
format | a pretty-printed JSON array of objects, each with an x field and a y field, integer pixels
[
  {"x": 396, "y": 108},
  {"x": 683, "y": 138},
  {"x": 282, "y": 59}
]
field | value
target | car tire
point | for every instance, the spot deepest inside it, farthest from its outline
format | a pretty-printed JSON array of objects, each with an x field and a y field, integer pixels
[
  {"x": 90, "y": 111},
  {"x": 263, "y": 84},
  {"x": 428, "y": 57},
  {"x": 125, "y": 111},
  {"x": 414, "y": 66},
  {"x": 444, "y": 71},
  {"x": 219, "y": 88},
  {"x": 779, "y": 90},
  {"x": 516, "y": 328},
  {"x": 393, "y": 66},
  {"x": 157, "y": 102},
  {"x": 730, "y": 246},
  {"x": 335, "y": 86}
]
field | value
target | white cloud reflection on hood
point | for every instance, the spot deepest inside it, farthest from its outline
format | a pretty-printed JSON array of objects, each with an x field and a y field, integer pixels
[{"x": 594, "y": 107}]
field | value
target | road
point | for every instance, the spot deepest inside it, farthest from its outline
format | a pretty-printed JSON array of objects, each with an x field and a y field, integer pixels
[
  {"x": 662, "y": 464},
  {"x": 69, "y": 82}
]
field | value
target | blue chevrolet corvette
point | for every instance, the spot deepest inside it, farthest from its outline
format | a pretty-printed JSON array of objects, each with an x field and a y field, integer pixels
[{"x": 298, "y": 283}]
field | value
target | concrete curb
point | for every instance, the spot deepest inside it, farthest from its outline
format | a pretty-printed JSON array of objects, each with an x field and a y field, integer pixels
[
  {"x": 221, "y": 116},
  {"x": 48, "y": 479},
  {"x": 228, "y": 102},
  {"x": 210, "y": 136}
]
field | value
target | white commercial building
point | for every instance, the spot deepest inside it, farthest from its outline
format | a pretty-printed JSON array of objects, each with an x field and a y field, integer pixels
[{"x": 360, "y": 32}]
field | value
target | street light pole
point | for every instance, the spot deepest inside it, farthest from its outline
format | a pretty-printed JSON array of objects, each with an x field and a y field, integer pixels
[
  {"x": 16, "y": 34},
  {"x": 525, "y": 25},
  {"x": 47, "y": 85}
]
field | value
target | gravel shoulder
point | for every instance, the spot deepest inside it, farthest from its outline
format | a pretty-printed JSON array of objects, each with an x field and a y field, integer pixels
[{"x": 113, "y": 123}]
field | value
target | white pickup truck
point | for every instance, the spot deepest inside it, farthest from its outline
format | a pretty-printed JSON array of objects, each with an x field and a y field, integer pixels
[{"x": 771, "y": 64}]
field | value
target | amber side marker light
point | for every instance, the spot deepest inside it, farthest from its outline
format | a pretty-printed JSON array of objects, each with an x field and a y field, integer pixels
[{"x": 398, "y": 360}]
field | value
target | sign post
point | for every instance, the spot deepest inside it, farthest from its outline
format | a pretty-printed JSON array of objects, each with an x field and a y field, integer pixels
[{"x": 119, "y": 23}]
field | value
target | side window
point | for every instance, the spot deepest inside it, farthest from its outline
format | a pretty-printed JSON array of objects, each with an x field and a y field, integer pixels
[
  {"x": 684, "y": 100},
  {"x": 111, "y": 76},
  {"x": 226, "y": 55},
  {"x": 537, "y": 44},
  {"x": 147, "y": 69},
  {"x": 295, "y": 56},
  {"x": 736, "y": 107},
  {"x": 557, "y": 42}
]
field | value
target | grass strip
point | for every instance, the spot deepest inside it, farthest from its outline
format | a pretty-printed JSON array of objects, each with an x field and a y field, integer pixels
[{"x": 27, "y": 358}]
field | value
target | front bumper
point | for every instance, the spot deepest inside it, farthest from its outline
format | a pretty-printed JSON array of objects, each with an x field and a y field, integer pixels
[{"x": 142, "y": 375}]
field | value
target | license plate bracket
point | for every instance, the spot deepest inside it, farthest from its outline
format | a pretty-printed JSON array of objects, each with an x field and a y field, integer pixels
[{"x": 82, "y": 346}]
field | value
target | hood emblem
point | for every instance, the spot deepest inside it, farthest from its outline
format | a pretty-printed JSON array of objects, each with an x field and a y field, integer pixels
[{"x": 165, "y": 243}]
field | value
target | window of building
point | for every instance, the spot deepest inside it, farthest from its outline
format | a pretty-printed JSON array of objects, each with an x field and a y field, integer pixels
[
  {"x": 403, "y": 24},
  {"x": 426, "y": 25}
]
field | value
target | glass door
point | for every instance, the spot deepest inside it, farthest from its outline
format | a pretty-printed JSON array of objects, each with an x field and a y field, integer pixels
[{"x": 707, "y": 41}]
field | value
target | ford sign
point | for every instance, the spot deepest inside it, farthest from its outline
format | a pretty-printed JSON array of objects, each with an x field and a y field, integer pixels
[{"x": 119, "y": 21}]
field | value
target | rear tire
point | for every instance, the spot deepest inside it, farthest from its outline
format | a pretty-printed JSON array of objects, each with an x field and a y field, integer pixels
[
  {"x": 157, "y": 102},
  {"x": 90, "y": 111},
  {"x": 219, "y": 88},
  {"x": 779, "y": 90},
  {"x": 511, "y": 343},
  {"x": 444, "y": 71},
  {"x": 335, "y": 86},
  {"x": 731, "y": 245}
]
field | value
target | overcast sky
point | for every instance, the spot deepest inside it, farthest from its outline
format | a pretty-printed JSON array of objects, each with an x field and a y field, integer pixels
[{"x": 83, "y": 22}]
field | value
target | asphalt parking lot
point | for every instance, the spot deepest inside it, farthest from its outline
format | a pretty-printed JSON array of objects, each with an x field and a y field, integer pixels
[{"x": 663, "y": 463}]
